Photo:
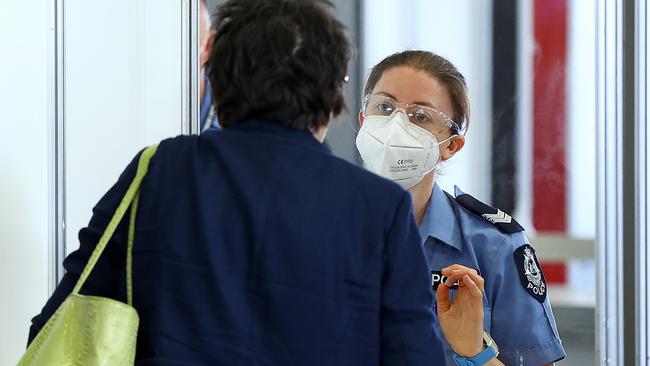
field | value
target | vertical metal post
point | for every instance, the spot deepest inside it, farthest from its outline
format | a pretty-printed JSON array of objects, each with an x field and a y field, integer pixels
[
  {"x": 642, "y": 220},
  {"x": 56, "y": 142},
  {"x": 609, "y": 251},
  {"x": 350, "y": 13},
  {"x": 190, "y": 67},
  {"x": 505, "y": 102},
  {"x": 524, "y": 135}
]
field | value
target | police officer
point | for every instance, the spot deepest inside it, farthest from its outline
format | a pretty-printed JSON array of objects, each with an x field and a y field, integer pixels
[{"x": 414, "y": 114}]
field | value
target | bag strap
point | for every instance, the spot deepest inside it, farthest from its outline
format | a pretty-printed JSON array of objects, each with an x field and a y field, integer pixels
[
  {"x": 130, "y": 199},
  {"x": 129, "y": 250}
]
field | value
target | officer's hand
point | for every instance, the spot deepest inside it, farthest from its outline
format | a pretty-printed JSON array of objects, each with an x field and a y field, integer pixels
[{"x": 462, "y": 321}]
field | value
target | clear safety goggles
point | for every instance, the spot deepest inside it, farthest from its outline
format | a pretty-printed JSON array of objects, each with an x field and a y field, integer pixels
[{"x": 428, "y": 118}]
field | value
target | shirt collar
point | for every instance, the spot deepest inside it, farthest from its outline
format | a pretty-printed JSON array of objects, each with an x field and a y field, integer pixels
[
  {"x": 206, "y": 105},
  {"x": 302, "y": 137},
  {"x": 440, "y": 221}
]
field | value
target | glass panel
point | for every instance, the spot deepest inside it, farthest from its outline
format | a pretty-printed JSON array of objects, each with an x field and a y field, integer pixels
[
  {"x": 530, "y": 148},
  {"x": 123, "y": 91},
  {"x": 24, "y": 163},
  {"x": 642, "y": 135}
]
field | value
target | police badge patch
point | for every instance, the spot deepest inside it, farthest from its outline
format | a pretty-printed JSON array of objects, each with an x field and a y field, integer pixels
[{"x": 530, "y": 272}]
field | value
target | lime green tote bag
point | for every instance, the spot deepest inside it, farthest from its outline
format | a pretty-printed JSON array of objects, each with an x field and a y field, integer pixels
[{"x": 91, "y": 330}]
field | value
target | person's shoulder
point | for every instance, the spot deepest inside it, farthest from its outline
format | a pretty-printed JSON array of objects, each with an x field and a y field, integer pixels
[
  {"x": 177, "y": 143},
  {"x": 375, "y": 193},
  {"x": 184, "y": 146},
  {"x": 368, "y": 182},
  {"x": 360, "y": 180},
  {"x": 497, "y": 239},
  {"x": 494, "y": 227},
  {"x": 172, "y": 153},
  {"x": 490, "y": 217}
]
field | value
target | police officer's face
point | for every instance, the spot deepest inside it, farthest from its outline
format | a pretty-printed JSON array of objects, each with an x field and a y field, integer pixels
[{"x": 408, "y": 85}]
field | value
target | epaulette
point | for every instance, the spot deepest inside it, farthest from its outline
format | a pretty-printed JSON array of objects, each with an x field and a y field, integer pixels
[{"x": 500, "y": 219}]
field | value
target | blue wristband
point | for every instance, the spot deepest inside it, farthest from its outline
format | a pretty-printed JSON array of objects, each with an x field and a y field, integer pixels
[
  {"x": 479, "y": 360},
  {"x": 491, "y": 351}
]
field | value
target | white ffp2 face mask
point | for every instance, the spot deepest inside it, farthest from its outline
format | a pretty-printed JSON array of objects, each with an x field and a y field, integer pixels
[{"x": 396, "y": 149}]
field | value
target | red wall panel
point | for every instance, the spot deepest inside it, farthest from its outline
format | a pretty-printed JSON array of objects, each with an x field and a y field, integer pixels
[{"x": 549, "y": 116}]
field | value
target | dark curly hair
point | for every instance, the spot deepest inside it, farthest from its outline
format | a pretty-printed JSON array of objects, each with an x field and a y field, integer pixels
[{"x": 280, "y": 60}]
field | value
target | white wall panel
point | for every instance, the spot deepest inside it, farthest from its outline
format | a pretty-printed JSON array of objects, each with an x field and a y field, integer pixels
[
  {"x": 581, "y": 112},
  {"x": 122, "y": 92},
  {"x": 23, "y": 171}
]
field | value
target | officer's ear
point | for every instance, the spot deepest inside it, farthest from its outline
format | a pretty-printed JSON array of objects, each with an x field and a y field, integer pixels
[
  {"x": 360, "y": 118},
  {"x": 453, "y": 146}
]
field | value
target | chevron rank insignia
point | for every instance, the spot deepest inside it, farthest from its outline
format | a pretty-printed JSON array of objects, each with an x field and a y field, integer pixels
[{"x": 500, "y": 219}]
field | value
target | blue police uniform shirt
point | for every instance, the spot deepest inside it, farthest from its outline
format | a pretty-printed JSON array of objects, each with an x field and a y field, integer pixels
[
  {"x": 207, "y": 114},
  {"x": 522, "y": 326}
]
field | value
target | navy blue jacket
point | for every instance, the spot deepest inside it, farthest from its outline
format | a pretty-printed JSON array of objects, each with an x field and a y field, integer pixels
[{"x": 255, "y": 246}]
